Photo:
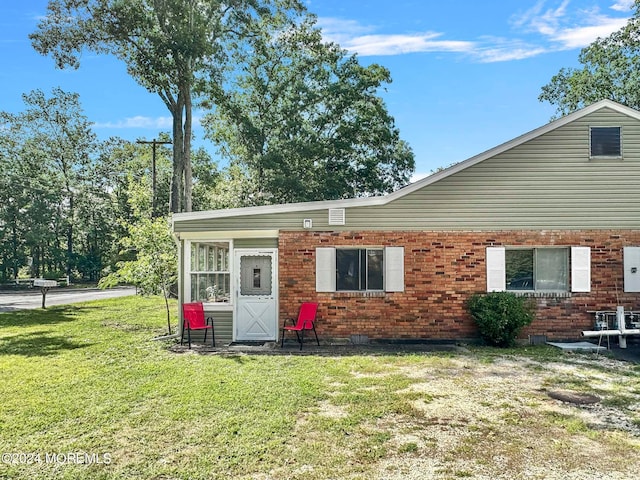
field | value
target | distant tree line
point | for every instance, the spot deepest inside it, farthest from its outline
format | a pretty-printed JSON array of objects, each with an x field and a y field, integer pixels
[{"x": 65, "y": 197}]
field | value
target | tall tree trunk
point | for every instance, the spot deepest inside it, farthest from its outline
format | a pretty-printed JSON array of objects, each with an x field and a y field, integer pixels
[
  {"x": 181, "y": 181},
  {"x": 188, "y": 175},
  {"x": 175, "y": 199},
  {"x": 14, "y": 244},
  {"x": 35, "y": 265},
  {"x": 70, "y": 236}
]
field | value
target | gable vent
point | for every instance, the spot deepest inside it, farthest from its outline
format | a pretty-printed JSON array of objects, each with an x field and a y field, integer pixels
[{"x": 336, "y": 216}]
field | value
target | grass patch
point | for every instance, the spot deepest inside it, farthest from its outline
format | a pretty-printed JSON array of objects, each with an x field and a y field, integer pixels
[
  {"x": 539, "y": 352},
  {"x": 570, "y": 423},
  {"x": 410, "y": 447},
  {"x": 88, "y": 379}
]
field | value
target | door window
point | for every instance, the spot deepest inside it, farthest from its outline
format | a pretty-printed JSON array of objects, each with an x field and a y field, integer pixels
[{"x": 255, "y": 275}]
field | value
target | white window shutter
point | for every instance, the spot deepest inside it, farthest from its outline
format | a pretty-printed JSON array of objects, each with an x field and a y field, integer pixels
[
  {"x": 394, "y": 269},
  {"x": 580, "y": 269},
  {"x": 496, "y": 272},
  {"x": 325, "y": 269}
]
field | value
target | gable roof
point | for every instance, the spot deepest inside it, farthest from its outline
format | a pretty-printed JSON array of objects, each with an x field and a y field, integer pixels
[{"x": 383, "y": 200}]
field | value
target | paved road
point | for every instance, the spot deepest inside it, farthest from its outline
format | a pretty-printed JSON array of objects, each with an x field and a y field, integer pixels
[{"x": 29, "y": 299}]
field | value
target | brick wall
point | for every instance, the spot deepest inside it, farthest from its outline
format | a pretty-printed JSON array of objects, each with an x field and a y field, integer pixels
[{"x": 442, "y": 269}]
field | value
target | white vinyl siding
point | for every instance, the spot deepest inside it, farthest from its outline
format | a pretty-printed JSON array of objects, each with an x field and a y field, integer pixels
[
  {"x": 580, "y": 269},
  {"x": 393, "y": 269}
]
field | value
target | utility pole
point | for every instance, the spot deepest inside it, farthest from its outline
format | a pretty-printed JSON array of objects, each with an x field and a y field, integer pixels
[{"x": 153, "y": 143}]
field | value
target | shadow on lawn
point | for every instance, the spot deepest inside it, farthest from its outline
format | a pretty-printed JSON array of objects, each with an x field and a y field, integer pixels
[
  {"x": 36, "y": 344},
  {"x": 240, "y": 354},
  {"x": 30, "y": 318}
]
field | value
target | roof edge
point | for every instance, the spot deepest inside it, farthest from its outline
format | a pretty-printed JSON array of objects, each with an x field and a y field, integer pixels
[{"x": 279, "y": 208}]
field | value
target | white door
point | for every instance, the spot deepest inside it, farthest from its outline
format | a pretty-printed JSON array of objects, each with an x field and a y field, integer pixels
[{"x": 256, "y": 316}]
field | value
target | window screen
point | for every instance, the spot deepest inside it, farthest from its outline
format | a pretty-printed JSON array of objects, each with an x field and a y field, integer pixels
[
  {"x": 359, "y": 269},
  {"x": 537, "y": 269},
  {"x": 605, "y": 142}
]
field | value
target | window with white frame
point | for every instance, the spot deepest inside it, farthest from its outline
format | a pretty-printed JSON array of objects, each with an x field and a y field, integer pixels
[
  {"x": 360, "y": 269},
  {"x": 209, "y": 272},
  {"x": 537, "y": 269},
  {"x": 540, "y": 269},
  {"x": 606, "y": 142}
]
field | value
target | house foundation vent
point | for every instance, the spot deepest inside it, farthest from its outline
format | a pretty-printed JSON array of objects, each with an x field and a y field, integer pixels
[
  {"x": 537, "y": 339},
  {"x": 359, "y": 339}
]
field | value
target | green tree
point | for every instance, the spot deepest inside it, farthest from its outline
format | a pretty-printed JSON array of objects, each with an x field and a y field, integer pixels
[
  {"x": 51, "y": 150},
  {"x": 206, "y": 177},
  {"x": 155, "y": 267},
  {"x": 610, "y": 70},
  {"x": 166, "y": 44},
  {"x": 234, "y": 189},
  {"x": 302, "y": 121}
]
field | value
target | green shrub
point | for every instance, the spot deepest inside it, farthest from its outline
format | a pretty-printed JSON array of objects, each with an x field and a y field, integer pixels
[{"x": 500, "y": 316}]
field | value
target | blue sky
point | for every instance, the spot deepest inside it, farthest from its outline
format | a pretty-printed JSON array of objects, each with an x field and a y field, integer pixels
[{"x": 466, "y": 74}]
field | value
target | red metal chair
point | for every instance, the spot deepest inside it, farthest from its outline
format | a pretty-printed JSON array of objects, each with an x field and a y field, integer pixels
[
  {"x": 306, "y": 321},
  {"x": 193, "y": 319}
]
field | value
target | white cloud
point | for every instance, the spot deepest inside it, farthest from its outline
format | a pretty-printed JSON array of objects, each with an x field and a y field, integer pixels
[
  {"x": 341, "y": 31},
  {"x": 542, "y": 21},
  {"x": 138, "y": 121},
  {"x": 408, "y": 43},
  {"x": 486, "y": 50},
  {"x": 506, "y": 53},
  {"x": 566, "y": 29},
  {"x": 549, "y": 25},
  {"x": 623, "y": 5},
  {"x": 361, "y": 39},
  {"x": 580, "y": 37}
]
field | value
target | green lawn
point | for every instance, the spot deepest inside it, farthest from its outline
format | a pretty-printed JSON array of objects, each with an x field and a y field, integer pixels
[{"x": 85, "y": 383}]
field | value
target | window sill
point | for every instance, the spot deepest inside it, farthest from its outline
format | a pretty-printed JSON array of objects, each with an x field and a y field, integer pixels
[
  {"x": 345, "y": 294},
  {"x": 541, "y": 294},
  {"x": 217, "y": 306}
]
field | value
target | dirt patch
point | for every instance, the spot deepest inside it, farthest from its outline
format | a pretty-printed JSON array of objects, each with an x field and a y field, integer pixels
[
  {"x": 576, "y": 398},
  {"x": 511, "y": 418}
]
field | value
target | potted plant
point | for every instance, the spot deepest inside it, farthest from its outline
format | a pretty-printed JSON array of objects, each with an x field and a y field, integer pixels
[{"x": 214, "y": 293}]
